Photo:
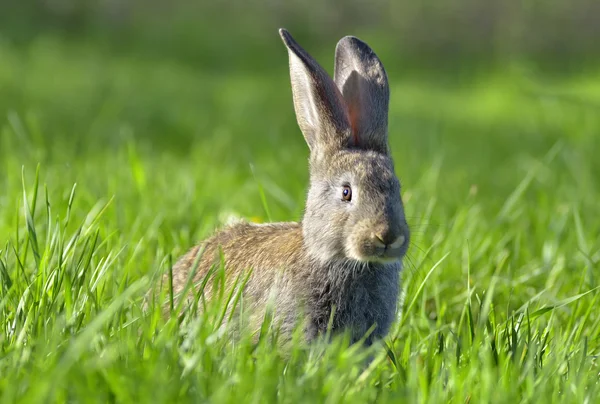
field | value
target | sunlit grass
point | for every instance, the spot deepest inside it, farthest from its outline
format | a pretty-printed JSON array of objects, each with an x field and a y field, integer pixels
[{"x": 115, "y": 167}]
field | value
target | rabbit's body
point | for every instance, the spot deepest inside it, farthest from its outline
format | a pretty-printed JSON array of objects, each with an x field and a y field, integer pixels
[
  {"x": 362, "y": 294},
  {"x": 346, "y": 254},
  {"x": 250, "y": 246}
]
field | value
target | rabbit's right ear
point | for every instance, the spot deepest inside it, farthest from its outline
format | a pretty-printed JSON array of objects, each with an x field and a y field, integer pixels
[{"x": 320, "y": 108}]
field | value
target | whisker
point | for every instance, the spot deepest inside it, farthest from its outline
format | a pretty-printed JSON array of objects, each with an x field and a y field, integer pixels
[
  {"x": 410, "y": 262},
  {"x": 412, "y": 244}
]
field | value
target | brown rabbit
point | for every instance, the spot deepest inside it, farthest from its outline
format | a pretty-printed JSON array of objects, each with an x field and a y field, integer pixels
[{"x": 347, "y": 251}]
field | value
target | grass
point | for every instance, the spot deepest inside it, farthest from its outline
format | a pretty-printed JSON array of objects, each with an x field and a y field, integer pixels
[{"x": 113, "y": 166}]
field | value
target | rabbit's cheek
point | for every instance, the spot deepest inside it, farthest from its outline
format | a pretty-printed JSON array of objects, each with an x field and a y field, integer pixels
[{"x": 359, "y": 246}]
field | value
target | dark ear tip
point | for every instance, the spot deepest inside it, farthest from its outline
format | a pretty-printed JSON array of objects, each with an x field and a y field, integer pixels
[
  {"x": 294, "y": 47},
  {"x": 286, "y": 37}
]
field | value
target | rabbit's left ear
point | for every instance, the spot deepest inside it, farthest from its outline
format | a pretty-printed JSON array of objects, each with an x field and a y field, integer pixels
[{"x": 360, "y": 76}]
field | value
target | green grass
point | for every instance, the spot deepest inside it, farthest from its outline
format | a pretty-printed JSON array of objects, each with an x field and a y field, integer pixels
[{"x": 112, "y": 166}]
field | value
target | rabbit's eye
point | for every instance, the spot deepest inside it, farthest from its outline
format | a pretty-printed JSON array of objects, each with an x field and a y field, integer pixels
[{"x": 347, "y": 193}]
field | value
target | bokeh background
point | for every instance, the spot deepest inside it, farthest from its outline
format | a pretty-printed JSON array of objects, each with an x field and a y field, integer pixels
[
  {"x": 212, "y": 34},
  {"x": 151, "y": 123},
  {"x": 183, "y": 109},
  {"x": 189, "y": 102}
]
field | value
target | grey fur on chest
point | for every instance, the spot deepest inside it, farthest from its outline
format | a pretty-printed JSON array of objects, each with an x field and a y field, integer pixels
[{"x": 362, "y": 298}]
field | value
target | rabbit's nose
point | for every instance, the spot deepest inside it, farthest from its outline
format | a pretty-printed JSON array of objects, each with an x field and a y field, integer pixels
[
  {"x": 399, "y": 242},
  {"x": 378, "y": 241},
  {"x": 389, "y": 239}
]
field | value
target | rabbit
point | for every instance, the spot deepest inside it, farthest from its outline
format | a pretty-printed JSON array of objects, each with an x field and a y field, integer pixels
[{"x": 345, "y": 255}]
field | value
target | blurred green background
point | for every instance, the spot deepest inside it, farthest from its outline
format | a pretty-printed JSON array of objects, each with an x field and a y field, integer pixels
[
  {"x": 220, "y": 35},
  {"x": 482, "y": 83},
  {"x": 182, "y": 110},
  {"x": 179, "y": 115}
]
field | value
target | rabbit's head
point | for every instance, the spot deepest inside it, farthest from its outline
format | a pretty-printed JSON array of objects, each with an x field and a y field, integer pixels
[{"x": 354, "y": 210}]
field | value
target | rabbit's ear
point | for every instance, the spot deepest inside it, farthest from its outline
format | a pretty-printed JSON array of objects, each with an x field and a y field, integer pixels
[
  {"x": 320, "y": 108},
  {"x": 360, "y": 75}
]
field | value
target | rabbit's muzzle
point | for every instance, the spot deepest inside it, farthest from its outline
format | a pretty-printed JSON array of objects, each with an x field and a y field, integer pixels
[
  {"x": 384, "y": 244},
  {"x": 388, "y": 245}
]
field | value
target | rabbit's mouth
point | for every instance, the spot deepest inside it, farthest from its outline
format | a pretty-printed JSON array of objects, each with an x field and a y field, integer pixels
[
  {"x": 384, "y": 260},
  {"x": 387, "y": 255}
]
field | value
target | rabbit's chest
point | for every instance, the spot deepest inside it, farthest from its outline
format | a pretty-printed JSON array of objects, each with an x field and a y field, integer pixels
[{"x": 356, "y": 305}]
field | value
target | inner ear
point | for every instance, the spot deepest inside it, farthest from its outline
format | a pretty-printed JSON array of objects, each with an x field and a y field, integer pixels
[
  {"x": 360, "y": 76},
  {"x": 353, "y": 108}
]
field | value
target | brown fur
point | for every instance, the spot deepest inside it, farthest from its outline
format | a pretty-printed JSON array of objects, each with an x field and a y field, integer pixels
[{"x": 247, "y": 246}]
